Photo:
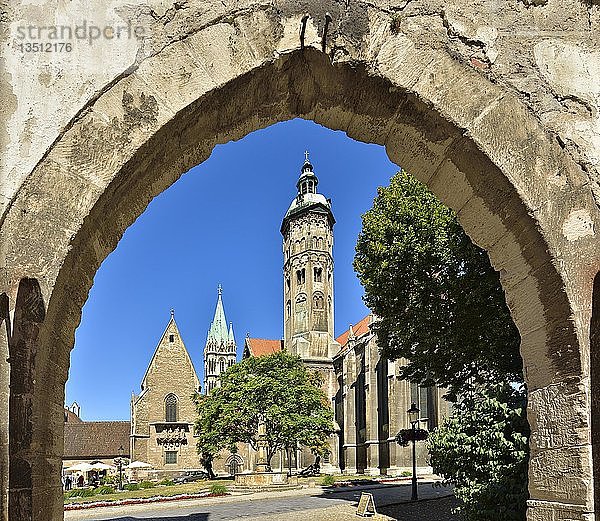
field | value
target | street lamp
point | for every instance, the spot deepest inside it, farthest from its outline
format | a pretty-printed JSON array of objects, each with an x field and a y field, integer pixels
[
  {"x": 120, "y": 463},
  {"x": 413, "y": 418}
]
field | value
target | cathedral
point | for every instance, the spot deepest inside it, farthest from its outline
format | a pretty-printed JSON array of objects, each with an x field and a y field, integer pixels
[{"x": 368, "y": 397}]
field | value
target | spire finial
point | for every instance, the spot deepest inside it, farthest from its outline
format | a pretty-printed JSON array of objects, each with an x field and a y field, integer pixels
[
  {"x": 172, "y": 313},
  {"x": 220, "y": 289},
  {"x": 306, "y": 156}
]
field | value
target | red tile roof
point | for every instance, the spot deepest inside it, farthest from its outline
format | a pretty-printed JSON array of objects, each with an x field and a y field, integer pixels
[
  {"x": 90, "y": 440},
  {"x": 262, "y": 347},
  {"x": 359, "y": 329}
]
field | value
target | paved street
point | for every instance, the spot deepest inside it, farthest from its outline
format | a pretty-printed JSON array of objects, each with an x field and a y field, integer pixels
[{"x": 301, "y": 505}]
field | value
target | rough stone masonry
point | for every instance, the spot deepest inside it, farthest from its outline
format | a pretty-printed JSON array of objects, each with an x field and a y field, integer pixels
[{"x": 493, "y": 104}]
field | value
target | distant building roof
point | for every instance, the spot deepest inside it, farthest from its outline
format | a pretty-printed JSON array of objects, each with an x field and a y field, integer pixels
[
  {"x": 359, "y": 329},
  {"x": 262, "y": 347},
  {"x": 91, "y": 440}
]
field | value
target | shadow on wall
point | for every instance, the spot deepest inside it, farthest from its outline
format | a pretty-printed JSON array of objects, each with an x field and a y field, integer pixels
[
  {"x": 30, "y": 312},
  {"x": 595, "y": 386}
]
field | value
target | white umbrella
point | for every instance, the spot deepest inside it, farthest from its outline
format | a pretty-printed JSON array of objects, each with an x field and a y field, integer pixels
[
  {"x": 80, "y": 467},
  {"x": 138, "y": 465},
  {"x": 102, "y": 466}
]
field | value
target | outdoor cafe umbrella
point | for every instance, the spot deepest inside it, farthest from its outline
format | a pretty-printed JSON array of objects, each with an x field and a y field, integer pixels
[
  {"x": 80, "y": 467},
  {"x": 102, "y": 466},
  {"x": 138, "y": 465}
]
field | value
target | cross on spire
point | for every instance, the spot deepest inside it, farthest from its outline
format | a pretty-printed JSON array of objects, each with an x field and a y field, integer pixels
[
  {"x": 306, "y": 156},
  {"x": 220, "y": 289}
]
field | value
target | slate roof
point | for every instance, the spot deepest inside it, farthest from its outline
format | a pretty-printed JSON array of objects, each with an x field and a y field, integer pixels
[
  {"x": 262, "y": 347},
  {"x": 91, "y": 440},
  {"x": 359, "y": 329}
]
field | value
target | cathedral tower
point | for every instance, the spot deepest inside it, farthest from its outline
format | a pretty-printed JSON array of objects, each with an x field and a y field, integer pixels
[
  {"x": 220, "y": 350},
  {"x": 307, "y": 231}
]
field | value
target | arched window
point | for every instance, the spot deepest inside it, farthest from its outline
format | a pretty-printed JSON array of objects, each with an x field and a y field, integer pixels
[
  {"x": 171, "y": 408},
  {"x": 318, "y": 274},
  {"x": 318, "y": 301},
  {"x": 221, "y": 365}
]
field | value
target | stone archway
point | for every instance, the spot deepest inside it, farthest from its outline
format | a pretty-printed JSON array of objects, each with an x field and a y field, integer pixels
[{"x": 517, "y": 192}]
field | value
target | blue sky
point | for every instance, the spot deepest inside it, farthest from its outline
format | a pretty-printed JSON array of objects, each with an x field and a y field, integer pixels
[{"x": 219, "y": 224}]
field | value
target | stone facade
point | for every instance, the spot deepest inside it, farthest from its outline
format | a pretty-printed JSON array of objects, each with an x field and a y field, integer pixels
[
  {"x": 163, "y": 414},
  {"x": 493, "y": 105},
  {"x": 371, "y": 404}
]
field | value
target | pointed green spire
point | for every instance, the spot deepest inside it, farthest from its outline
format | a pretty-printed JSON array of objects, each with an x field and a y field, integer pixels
[
  {"x": 218, "y": 329},
  {"x": 231, "y": 337}
]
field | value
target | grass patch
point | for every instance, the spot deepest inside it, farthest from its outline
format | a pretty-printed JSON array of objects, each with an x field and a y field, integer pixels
[
  {"x": 172, "y": 490},
  {"x": 103, "y": 490},
  {"x": 147, "y": 484}
]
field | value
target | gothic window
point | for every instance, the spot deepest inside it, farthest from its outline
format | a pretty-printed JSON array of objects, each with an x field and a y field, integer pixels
[
  {"x": 301, "y": 276},
  {"x": 221, "y": 365},
  {"x": 303, "y": 188},
  {"x": 171, "y": 408},
  {"x": 170, "y": 456},
  {"x": 288, "y": 308},
  {"x": 318, "y": 301},
  {"x": 301, "y": 313},
  {"x": 329, "y": 304},
  {"x": 320, "y": 243},
  {"x": 425, "y": 398},
  {"x": 318, "y": 274},
  {"x": 303, "y": 243},
  {"x": 287, "y": 283},
  {"x": 171, "y": 338}
]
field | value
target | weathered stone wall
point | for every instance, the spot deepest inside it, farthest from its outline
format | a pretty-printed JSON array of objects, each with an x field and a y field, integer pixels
[{"x": 494, "y": 105}]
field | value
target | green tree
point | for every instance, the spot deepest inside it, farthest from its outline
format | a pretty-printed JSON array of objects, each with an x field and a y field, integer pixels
[
  {"x": 441, "y": 307},
  {"x": 482, "y": 449},
  {"x": 208, "y": 425},
  {"x": 439, "y": 300},
  {"x": 278, "y": 388}
]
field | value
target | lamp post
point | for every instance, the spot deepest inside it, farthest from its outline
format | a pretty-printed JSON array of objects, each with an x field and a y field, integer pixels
[
  {"x": 120, "y": 464},
  {"x": 413, "y": 418}
]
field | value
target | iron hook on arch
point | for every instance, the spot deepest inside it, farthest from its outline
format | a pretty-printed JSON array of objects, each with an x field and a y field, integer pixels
[
  {"x": 324, "y": 39},
  {"x": 303, "y": 30}
]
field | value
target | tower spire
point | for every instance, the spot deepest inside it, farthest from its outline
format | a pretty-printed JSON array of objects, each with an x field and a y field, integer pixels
[
  {"x": 218, "y": 328},
  {"x": 220, "y": 350}
]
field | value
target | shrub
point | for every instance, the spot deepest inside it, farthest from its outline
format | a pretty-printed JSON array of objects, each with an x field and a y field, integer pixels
[
  {"x": 104, "y": 489},
  {"x": 327, "y": 480},
  {"x": 482, "y": 450},
  {"x": 146, "y": 484},
  {"x": 108, "y": 480},
  {"x": 131, "y": 486},
  {"x": 80, "y": 492},
  {"x": 406, "y": 473},
  {"x": 167, "y": 482},
  {"x": 216, "y": 489}
]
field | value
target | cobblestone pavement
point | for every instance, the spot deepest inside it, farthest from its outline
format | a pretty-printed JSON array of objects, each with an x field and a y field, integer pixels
[
  {"x": 429, "y": 510},
  {"x": 296, "y": 505}
]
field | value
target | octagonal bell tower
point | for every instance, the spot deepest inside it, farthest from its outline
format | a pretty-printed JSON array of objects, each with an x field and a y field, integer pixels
[{"x": 307, "y": 231}]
